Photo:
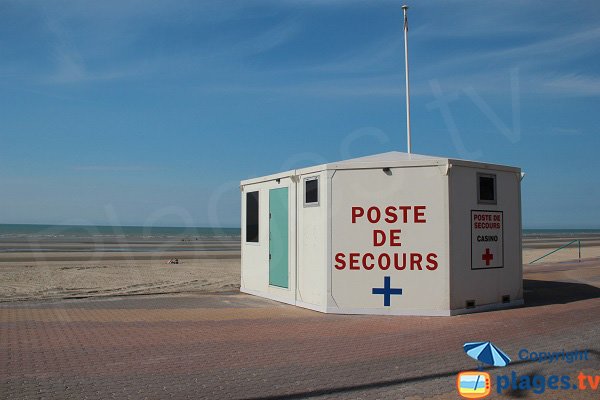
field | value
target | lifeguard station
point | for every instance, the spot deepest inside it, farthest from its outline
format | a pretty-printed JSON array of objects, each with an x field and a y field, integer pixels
[{"x": 392, "y": 233}]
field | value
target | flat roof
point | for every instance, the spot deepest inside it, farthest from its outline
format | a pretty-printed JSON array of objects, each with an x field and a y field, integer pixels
[{"x": 391, "y": 159}]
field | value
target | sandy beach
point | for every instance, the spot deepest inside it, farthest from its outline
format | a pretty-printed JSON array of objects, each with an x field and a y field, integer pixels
[
  {"x": 75, "y": 268},
  {"x": 537, "y": 246}
]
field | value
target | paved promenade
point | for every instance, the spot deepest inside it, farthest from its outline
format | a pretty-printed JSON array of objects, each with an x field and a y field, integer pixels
[{"x": 242, "y": 347}]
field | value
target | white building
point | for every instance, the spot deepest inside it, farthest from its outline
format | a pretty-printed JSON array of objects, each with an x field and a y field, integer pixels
[{"x": 391, "y": 233}]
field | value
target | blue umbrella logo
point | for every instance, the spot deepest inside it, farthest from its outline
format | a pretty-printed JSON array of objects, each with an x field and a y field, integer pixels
[{"x": 486, "y": 353}]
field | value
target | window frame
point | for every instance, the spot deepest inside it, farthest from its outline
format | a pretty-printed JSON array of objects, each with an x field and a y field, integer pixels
[
  {"x": 318, "y": 202},
  {"x": 494, "y": 179},
  {"x": 257, "y": 241}
]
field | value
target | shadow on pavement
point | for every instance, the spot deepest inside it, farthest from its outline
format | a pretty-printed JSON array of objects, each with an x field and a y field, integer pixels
[
  {"x": 519, "y": 393},
  {"x": 542, "y": 293}
]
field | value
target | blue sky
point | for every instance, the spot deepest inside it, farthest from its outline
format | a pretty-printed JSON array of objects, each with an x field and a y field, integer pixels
[{"x": 151, "y": 112}]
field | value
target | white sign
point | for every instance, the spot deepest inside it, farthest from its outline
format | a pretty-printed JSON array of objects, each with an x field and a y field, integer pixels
[{"x": 487, "y": 240}]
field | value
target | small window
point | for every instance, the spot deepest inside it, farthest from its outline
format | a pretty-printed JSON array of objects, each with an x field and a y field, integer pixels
[
  {"x": 311, "y": 191},
  {"x": 486, "y": 188},
  {"x": 252, "y": 217}
]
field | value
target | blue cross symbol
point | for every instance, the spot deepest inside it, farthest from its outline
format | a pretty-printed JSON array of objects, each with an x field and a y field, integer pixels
[{"x": 386, "y": 291}]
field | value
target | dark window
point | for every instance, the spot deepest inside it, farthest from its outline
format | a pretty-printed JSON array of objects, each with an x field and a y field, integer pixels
[
  {"x": 311, "y": 191},
  {"x": 252, "y": 217},
  {"x": 487, "y": 188}
]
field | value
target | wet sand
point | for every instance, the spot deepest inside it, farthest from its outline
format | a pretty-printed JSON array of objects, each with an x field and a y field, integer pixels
[{"x": 77, "y": 268}]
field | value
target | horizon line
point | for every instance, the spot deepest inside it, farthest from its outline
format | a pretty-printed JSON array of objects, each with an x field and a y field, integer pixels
[{"x": 226, "y": 227}]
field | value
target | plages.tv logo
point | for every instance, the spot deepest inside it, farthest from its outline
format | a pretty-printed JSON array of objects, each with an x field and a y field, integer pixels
[
  {"x": 473, "y": 384},
  {"x": 477, "y": 384}
]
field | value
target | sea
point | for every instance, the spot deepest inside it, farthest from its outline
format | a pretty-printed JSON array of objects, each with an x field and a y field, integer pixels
[
  {"x": 575, "y": 233},
  {"x": 82, "y": 231},
  {"x": 26, "y": 231},
  {"x": 19, "y": 238},
  {"x": 99, "y": 238}
]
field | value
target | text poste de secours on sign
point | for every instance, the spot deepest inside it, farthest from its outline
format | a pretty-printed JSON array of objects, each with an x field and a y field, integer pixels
[{"x": 392, "y": 238}]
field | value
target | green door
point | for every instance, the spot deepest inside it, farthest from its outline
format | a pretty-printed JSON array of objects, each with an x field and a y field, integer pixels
[{"x": 278, "y": 237}]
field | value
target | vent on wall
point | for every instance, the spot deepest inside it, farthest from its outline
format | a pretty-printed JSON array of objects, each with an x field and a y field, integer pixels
[{"x": 470, "y": 303}]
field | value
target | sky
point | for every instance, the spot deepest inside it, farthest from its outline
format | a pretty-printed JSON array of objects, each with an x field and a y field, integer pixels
[{"x": 151, "y": 112}]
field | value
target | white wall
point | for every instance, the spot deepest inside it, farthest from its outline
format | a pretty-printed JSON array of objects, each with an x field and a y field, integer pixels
[
  {"x": 485, "y": 286},
  {"x": 424, "y": 291},
  {"x": 320, "y": 233},
  {"x": 312, "y": 245},
  {"x": 255, "y": 256}
]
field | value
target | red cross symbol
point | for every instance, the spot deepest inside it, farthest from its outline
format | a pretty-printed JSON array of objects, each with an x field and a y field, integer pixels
[{"x": 487, "y": 257}]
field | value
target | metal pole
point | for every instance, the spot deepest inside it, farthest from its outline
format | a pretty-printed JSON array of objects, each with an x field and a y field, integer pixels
[
  {"x": 404, "y": 9},
  {"x": 555, "y": 250},
  {"x": 579, "y": 246}
]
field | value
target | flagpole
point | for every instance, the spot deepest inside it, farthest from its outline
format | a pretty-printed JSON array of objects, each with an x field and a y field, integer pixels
[{"x": 405, "y": 9}]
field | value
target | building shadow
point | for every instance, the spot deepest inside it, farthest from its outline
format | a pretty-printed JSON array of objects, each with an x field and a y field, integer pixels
[
  {"x": 542, "y": 293},
  {"x": 347, "y": 391}
]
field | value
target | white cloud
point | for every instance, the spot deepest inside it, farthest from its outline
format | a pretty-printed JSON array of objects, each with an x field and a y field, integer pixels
[
  {"x": 267, "y": 40},
  {"x": 573, "y": 84},
  {"x": 101, "y": 50},
  {"x": 537, "y": 54}
]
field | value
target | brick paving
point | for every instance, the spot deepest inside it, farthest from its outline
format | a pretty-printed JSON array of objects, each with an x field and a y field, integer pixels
[{"x": 234, "y": 346}]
